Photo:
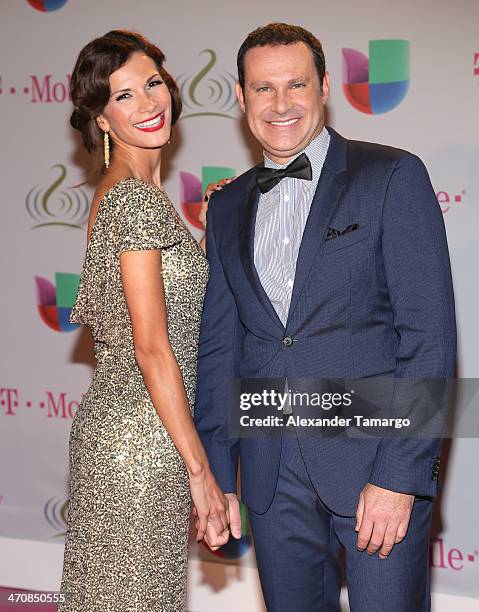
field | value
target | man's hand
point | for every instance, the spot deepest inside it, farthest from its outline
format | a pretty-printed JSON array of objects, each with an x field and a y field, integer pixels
[{"x": 382, "y": 519}]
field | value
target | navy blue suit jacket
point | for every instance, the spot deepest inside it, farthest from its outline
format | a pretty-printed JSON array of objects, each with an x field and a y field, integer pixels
[{"x": 374, "y": 301}]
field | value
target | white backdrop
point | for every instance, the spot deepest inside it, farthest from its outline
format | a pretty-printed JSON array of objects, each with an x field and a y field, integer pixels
[{"x": 46, "y": 365}]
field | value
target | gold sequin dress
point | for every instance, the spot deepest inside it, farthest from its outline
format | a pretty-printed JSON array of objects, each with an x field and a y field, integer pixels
[{"x": 128, "y": 517}]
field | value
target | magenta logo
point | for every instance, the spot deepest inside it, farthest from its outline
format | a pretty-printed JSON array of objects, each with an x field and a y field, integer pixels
[
  {"x": 55, "y": 301},
  {"x": 443, "y": 557},
  {"x": 476, "y": 64},
  {"x": 448, "y": 200},
  {"x": 47, "y": 6},
  {"x": 43, "y": 89},
  {"x": 53, "y": 404},
  {"x": 380, "y": 82}
]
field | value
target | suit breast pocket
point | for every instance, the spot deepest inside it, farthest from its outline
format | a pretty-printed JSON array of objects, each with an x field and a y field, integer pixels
[{"x": 346, "y": 240}]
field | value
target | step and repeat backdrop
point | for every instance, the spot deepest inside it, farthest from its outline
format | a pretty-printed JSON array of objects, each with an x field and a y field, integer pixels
[{"x": 424, "y": 98}]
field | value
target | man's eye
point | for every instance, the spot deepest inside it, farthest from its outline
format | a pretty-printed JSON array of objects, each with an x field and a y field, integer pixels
[
  {"x": 155, "y": 83},
  {"x": 263, "y": 88},
  {"x": 299, "y": 85}
]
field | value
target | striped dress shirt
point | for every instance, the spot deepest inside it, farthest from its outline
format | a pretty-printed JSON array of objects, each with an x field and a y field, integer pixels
[{"x": 280, "y": 221}]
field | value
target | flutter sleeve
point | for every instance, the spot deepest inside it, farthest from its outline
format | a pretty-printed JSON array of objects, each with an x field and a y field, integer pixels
[{"x": 145, "y": 220}]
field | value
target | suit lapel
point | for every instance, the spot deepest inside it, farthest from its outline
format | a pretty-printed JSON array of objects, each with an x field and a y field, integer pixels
[
  {"x": 247, "y": 251},
  {"x": 328, "y": 192}
]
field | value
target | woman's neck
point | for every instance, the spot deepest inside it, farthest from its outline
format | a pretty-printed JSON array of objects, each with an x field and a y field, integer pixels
[{"x": 144, "y": 164}]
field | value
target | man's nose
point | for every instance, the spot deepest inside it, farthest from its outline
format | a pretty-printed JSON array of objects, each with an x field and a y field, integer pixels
[{"x": 281, "y": 103}]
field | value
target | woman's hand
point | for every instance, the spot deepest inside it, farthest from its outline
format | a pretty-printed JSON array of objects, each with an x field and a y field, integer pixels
[
  {"x": 211, "y": 509},
  {"x": 209, "y": 190}
]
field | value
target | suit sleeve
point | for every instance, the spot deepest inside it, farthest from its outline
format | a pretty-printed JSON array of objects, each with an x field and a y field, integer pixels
[
  {"x": 219, "y": 347},
  {"x": 418, "y": 275}
]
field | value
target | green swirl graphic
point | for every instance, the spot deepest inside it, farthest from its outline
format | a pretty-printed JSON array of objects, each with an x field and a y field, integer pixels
[
  {"x": 220, "y": 91},
  {"x": 53, "y": 187},
  {"x": 55, "y": 513},
  {"x": 217, "y": 97},
  {"x": 201, "y": 74},
  {"x": 72, "y": 203}
]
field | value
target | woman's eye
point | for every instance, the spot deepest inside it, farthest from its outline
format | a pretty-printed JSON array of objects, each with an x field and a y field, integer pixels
[
  {"x": 154, "y": 83},
  {"x": 122, "y": 97}
]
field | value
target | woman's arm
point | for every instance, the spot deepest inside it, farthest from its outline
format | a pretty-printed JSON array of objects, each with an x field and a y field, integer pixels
[{"x": 144, "y": 293}]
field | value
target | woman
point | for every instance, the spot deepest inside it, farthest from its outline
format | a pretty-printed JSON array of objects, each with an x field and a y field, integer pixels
[{"x": 135, "y": 455}]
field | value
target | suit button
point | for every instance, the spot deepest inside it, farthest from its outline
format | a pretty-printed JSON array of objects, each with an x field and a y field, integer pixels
[{"x": 287, "y": 341}]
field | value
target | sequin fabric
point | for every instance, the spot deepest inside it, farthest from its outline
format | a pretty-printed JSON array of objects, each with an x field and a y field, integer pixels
[{"x": 128, "y": 517}]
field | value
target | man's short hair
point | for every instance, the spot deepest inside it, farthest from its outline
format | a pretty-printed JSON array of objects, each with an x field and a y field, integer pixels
[{"x": 275, "y": 34}]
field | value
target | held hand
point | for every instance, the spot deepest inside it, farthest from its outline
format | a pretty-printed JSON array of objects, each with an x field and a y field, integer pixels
[
  {"x": 235, "y": 523},
  {"x": 209, "y": 190},
  {"x": 210, "y": 508},
  {"x": 382, "y": 519},
  {"x": 211, "y": 536}
]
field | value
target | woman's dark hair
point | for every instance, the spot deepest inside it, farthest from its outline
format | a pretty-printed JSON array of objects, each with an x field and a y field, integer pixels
[
  {"x": 281, "y": 34},
  {"x": 90, "y": 86}
]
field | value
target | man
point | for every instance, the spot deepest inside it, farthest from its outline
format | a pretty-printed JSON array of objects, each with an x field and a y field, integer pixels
[{"x": 336, "y": 266}]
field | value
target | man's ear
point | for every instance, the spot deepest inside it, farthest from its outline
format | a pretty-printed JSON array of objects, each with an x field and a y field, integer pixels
[
  {"x": 240, "y": 97},
  {"x": 325, "y": 88}
]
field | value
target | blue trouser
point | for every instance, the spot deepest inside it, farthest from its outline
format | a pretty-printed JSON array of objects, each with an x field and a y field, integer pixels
[{"x": 298, "y": 540}]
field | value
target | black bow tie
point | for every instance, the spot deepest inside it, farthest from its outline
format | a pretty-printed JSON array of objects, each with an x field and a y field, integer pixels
[{"x": 267, "y": 178}]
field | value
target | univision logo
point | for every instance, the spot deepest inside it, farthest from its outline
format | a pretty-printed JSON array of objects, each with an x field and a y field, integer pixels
[
  {"x": 51, "y": 205},
  {"x": 55, "y": 301},
  {"x": 208, "y": 92},
  {"x": 47, "y": 6},
  {"x": 55, "y": 513},
  {"x": 380, "y": 83},
  {"x": 192, "y": 189}
]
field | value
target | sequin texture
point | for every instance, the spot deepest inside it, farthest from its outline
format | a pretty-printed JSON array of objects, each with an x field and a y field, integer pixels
[{"x": 128, "y": 518}]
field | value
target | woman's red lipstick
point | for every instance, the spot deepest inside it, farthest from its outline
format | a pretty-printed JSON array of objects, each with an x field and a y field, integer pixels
[{"x": 159, "y": 120}]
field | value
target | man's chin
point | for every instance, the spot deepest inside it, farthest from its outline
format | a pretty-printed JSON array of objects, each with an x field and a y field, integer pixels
[
  {"x": 282, "y": 155},
  {"x": 286, "y": 149}
]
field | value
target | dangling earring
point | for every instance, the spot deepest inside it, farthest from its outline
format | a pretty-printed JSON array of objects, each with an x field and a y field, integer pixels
[{"x": 106, "y": 149}]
